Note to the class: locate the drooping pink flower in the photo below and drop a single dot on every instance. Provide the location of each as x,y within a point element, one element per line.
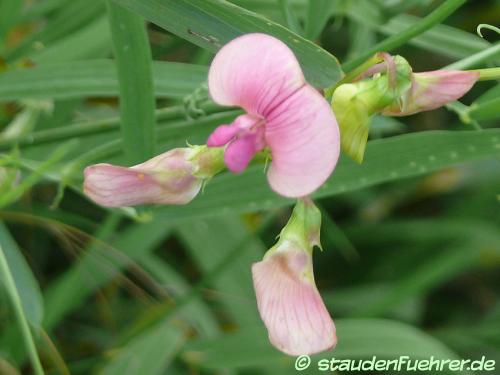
<point>174,177</point>
<point>431,90</point>
<point>290,304</point>
<point>283,113</point>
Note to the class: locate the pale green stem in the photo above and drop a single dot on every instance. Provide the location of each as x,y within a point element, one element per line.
<point>10,287</point>
<point>492,52</point>
<point>489,74</point>
<point>387,45</point>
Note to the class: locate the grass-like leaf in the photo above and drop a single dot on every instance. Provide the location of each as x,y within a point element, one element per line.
<point>133,63</point>
<point>212,23</point>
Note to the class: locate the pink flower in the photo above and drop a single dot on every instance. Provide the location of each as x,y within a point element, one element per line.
<point>431,90</point>
<point>288,300</point>
<point>283,113</point>
<point>290,304</point>
<point>174,177</point>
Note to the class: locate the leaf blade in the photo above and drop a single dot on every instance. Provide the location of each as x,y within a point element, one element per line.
<point>133,62</point>
<point>210,24</point>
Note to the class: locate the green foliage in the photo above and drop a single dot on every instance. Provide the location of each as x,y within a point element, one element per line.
<point>80,79</point>
<point>210,24</point>
<point>26,284</point>
<point>410,237</point>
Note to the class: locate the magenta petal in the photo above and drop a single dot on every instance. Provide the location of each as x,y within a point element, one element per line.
<point>239,153</point>
<point>290,305</point>
<point>222,135</point>
<point>256,72</point>
<point>304,139</point>
<point>165,179</point>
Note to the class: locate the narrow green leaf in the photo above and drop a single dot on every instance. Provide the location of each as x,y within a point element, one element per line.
<point>212,23</point>
<point>168,118</point>
<point>68,19</point>
<point>362,37</point>
<point>290,17</point>
<point>91,41</point>
<point>97,267</point>
<point>40,9</point>
<point>358,338</point>
<point>410,32</point>
<point>14,294</point>
<point>491,94</point>
<point>364,338</point>
<point>197,312</point>
<point>149,353</point>
<point>234,287</point>
<point>10,10</point>
<point>317,16</point>
<point>58,154</point>
<point>80,79</point>
<point>137,103</point>
<point>491,53</point>
<point>442,39</point>
<point>485,111</point>
<point>385,160</point>
<point>26,284</point>
<point>467,242</point>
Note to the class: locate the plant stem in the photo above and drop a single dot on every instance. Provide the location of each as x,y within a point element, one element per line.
<point>434,18</point>
<point>472,60</point>
<point>349,77</point>
<point>10,287</point>
<point>100,126</point>
<point>488,74</point>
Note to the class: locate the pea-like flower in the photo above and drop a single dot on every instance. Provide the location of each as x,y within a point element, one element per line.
<point>284,114</point>
<point>174,177</point>
<point>288,300</point>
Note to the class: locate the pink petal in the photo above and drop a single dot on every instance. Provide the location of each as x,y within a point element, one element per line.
<point>290,305</point>
<point>431,90</point>
<point>239,153</point>
<point>165,179</point>
<point>304,139</point>
<point>222,135</point>
<point>256,72</point>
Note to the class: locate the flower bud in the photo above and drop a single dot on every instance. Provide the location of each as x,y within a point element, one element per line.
<point>174,177</point>
<point>431,90</point>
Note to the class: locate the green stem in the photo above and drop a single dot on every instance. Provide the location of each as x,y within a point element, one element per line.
<point>349,77</point>
<point>100,126</point>
<point>488,74</point>
<point>434,18</point>
<point>492,52</point>
<point>10,287</point>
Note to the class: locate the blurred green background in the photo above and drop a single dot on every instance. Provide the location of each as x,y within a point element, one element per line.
<point>412,242</point>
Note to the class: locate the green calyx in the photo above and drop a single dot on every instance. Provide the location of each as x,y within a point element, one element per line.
<point>354,104</point>
<point>208,161</point>
<point>302,231</point>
